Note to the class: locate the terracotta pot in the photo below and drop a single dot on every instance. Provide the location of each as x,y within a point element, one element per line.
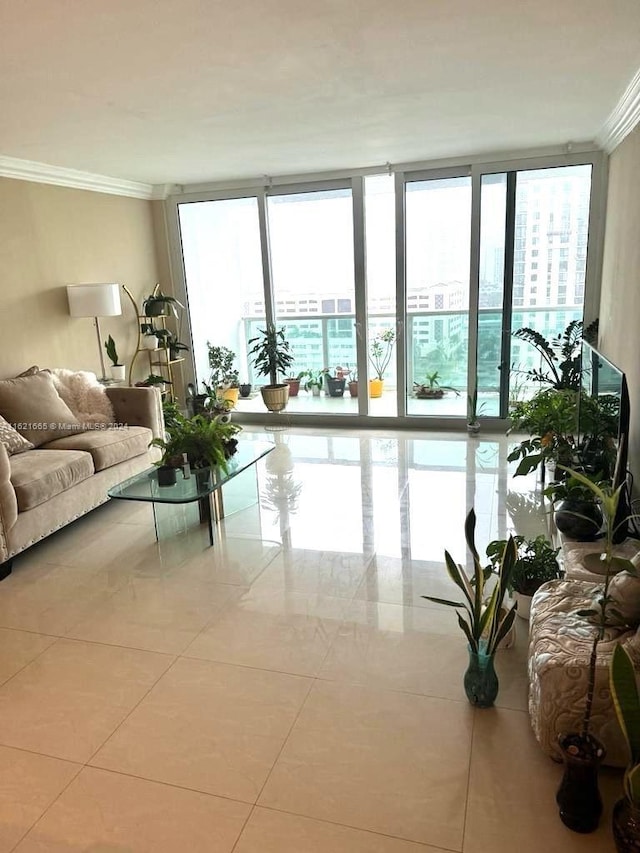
<point>353,389</point>
<point>294,386</point>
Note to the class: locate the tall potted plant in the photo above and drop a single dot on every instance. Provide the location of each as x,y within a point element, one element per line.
<point>485,621</point>
<point>271,356</point>
<point>380,350</point>
<point>578,795</point>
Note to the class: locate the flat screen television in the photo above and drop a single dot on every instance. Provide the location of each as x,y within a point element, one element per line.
<point>603,426</point>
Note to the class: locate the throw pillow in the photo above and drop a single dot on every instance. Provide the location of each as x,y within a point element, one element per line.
<point>85,396</point>
<point>32,405</point>
<point>12,439</point>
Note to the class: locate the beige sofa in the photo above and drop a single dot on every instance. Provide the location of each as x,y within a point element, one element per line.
<point>45,488</point>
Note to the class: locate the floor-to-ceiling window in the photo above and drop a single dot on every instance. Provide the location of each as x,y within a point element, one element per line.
<point>438,228</point>
<point>223,268</point>
<point>473,253</point>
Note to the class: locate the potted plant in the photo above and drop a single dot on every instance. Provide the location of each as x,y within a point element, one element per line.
<point>485,620</point>
<point>578,796</point>
<point>536,563</point>
<point>334,383</point>
<point>551,419</point>
<point>352,383</point>
<point>576,511</point>
<point>294,383</point>
<point>314,382</point>
<point>170,342</point>
<point>160,305</point>
<point>223,376</point>
<point>117,368</point>
<point>431,389</point>
<point>380,351</point>
<point>561,356</point>
<point>245,389</point>
<point>271,356</point>
<point>207,443</point>
<point>154,380</point>
<point>149,338</point>
<point>626,700</point>
<point>473,411</point>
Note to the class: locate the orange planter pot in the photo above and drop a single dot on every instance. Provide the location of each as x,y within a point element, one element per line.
<point>231,394</point>
<point>376,387</point>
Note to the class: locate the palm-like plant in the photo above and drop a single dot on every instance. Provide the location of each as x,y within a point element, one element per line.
<point>271,353</point>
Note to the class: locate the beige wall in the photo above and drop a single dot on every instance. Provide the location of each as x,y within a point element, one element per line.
<point>620,297</point>
<point>53,236</point>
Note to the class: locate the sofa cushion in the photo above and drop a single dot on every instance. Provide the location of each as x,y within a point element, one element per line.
<point>107,446</point>
<point>32,405</point>
<point>39,475</point>
<point>12,439</point>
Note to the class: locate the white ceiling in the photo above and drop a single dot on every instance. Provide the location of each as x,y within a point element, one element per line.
<point>183,91</point>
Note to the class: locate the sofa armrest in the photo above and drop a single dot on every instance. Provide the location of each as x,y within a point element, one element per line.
<point>8,502</point>
<point>138,407</point>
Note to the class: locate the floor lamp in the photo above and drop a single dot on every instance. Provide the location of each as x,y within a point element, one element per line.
<point>95,300</point>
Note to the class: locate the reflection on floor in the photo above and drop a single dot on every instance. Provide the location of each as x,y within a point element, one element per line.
<point>288,689</point>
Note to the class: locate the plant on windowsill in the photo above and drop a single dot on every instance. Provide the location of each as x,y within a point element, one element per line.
<point>486,621</point>
<point>271,356</point>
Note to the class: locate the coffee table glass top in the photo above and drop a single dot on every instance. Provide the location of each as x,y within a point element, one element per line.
<point>144,486</point>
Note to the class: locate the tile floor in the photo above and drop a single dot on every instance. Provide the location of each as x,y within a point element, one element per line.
<point>287,691</point>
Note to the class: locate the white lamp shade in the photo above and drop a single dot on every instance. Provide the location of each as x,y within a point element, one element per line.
<point>94,300</point>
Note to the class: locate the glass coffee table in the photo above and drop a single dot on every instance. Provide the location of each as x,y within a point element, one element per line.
<point>203,486</point>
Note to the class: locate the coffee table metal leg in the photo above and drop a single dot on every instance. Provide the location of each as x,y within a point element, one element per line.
<point>204,505</point>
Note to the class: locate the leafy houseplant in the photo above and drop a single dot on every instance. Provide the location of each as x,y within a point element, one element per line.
<point>160,305</point>
<point>271,356</point>
<point>626,700</point>
<point>208,443</point>
<point>314,381</point>
<point>153,380</point>
<point>223,374</point>
<point>578,796</point>
<point>486,621</point>
<point>431,389</point>
<point>562,372</point>
<point>536,563</point>
<point>551,419</point>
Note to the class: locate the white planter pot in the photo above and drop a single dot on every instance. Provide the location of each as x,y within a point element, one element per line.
<point>149,342</point>
<point>524,604</point>
<point>118,372</point>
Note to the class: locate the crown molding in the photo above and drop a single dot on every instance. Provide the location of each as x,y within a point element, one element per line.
<point>623,118</point>
<point>43,173</point>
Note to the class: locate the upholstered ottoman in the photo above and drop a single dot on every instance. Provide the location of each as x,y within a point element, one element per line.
<point>560,644</point>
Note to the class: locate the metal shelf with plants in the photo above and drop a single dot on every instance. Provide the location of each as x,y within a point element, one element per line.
<point>162,346</point>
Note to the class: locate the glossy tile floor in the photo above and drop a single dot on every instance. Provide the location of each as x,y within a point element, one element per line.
<point>286,691</point>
